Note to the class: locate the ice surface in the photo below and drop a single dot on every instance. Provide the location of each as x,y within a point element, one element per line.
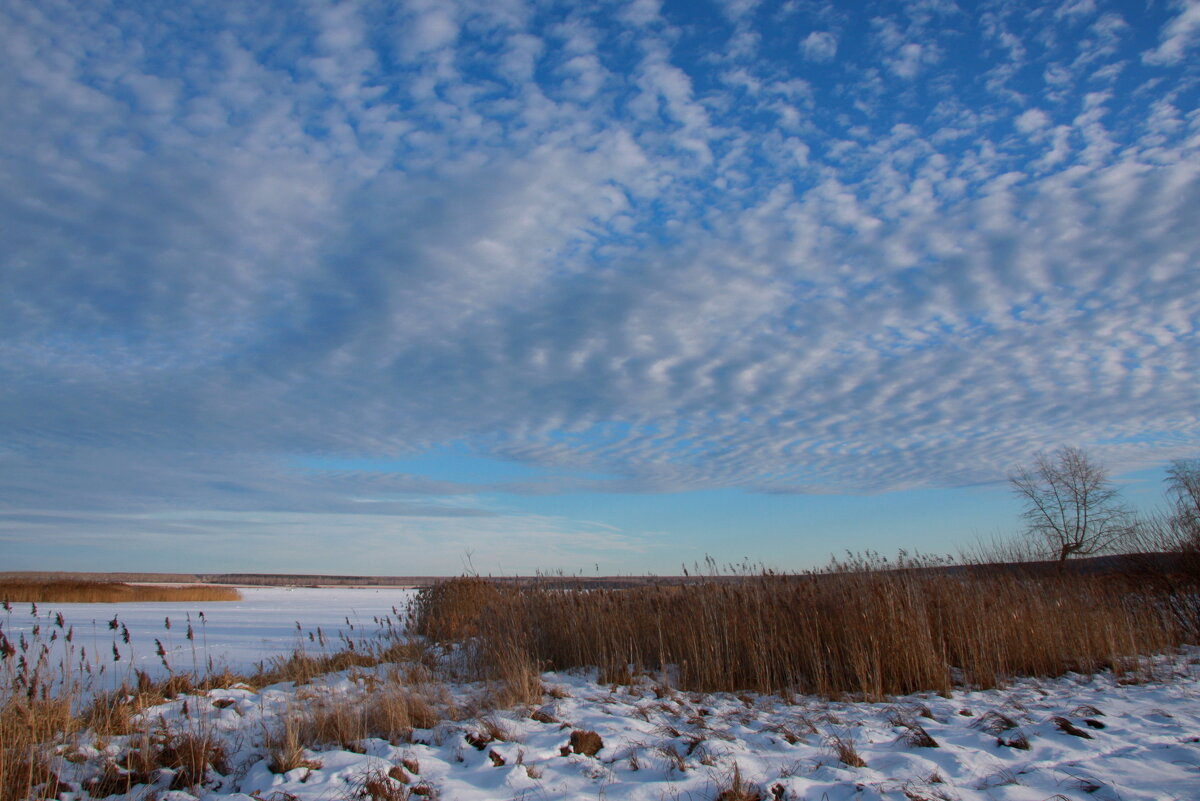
<point>234,634</point>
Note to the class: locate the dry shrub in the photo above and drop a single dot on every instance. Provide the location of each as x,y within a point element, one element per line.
<point>673,760</point>
<point>424,790</point>
<point>191,756</point>
<point>495,730</point>
<point>117,780</point>
<point>993,722</point>
<point>381,785</point>
<point>28,775</point>
<point>27,727</point>
<point>390,715</point>
<point>476,740</point>
<point>871,633</point>
<point>842,745</point>
<point>36,720</point>
<point>927,791</point>
<point>916,736</point>
<point>301,667</point>
<point>1016,740</point>
<point>517,679</point>
<point>346,720</point>
<point>113,713</point>
<point>176,685</point>
<point>340,722</point>
<point>456,610</point>
<point>587,743</point>
<point>1067,727</point>
<point>543,715</point>
<point>736,788</point>
<point>105,592</point>
<point>285,746</point>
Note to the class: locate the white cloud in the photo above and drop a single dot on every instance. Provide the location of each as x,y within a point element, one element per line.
<point>1031,120</point>
<point>593,249</point>
<point>1177,37</point>
<point>819,46</point>
<point>431,27</point>
<point>641,12</point>
<point>903,54</point>
<point>1076,8</point>
<point>737,9</point>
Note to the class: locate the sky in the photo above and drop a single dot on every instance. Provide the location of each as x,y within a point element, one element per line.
<point>504,286</point>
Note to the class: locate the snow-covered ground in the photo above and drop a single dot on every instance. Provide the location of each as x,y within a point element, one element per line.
<point>1084,737</point>
<point>1139,740</point>
<point>267,622</point>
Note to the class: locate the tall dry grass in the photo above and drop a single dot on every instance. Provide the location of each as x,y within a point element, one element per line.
<point>106,592</point>
<point>56,692</point>
<point>867,632</point>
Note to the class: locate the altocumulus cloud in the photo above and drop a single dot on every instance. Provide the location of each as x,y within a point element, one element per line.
<point>781,247</point>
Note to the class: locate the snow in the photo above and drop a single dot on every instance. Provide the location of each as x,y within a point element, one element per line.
<point>1143,742</point>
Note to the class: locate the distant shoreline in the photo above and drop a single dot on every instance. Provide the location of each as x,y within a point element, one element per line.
<point>1093,564</point>
<point>227,579</point>
<point>308,579</point>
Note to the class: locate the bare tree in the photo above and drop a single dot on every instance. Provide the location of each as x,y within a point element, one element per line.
<point>1183,488</point>
<point>1070,505</point>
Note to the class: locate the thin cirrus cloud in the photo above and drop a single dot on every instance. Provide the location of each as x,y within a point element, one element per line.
<point>637,246</point>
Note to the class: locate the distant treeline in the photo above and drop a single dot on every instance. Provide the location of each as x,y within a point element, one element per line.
<point>1123,563</point>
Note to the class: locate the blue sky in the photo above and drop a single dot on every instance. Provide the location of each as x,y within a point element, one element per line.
<point>386,287</point>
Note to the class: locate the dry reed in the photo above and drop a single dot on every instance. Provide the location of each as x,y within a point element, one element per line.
<point>871,633</point>
<point>54,690</point>
<point>107,592</point>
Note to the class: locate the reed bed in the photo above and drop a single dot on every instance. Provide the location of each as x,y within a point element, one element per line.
<point>868,633</point>
<point>853,630</point>
<point>107,592</point>
<point>59,688</point>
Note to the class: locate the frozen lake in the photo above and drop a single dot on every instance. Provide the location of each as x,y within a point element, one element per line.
<point>267,622</point>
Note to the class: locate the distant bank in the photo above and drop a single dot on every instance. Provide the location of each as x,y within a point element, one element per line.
<point>1126,564</point>
<point>234,579</point>
<point>314,580</point>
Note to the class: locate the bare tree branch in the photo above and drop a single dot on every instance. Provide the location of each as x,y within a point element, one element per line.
<point>1183,489</point>
<point>1070,505</point>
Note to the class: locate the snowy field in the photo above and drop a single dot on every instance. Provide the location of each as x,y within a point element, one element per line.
<point>1077,737</point>
<point>233,634</point>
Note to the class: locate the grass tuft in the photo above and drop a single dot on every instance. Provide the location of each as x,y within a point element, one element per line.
<point>736,788</point>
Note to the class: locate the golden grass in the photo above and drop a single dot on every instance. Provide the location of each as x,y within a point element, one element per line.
<point>27,725</point>
<point>41,716</point>
<point>870,633</point>
<point>856,630</point>
<point>107,592</point>
<point>55,693</point>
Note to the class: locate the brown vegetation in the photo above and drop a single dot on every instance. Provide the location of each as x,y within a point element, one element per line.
<point>585,742</point>
<point>867,628</point>
<point>736,788</point>
<point>45,706</point>
<point>107,592</point>
<point>871,633</point>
